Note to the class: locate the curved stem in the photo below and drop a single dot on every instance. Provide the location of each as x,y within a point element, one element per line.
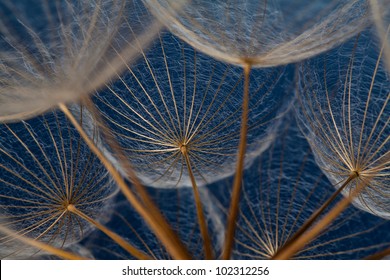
<point>233,211</point>
<point>199,209</point>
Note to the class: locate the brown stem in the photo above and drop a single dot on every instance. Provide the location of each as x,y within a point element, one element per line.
<point>316,214</point>
<point>236,193</point>
<point>288,251</point>
<point>380,255</point>
<point>156,222</point>
<point>119,240</point>
<point>199,209</point>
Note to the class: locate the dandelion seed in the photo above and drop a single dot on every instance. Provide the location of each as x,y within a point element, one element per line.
<point>175,115</point>
<point>252,34</point>
<point>178,104</point>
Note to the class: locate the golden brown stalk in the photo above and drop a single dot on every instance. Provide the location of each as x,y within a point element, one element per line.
<point>380,255</point>
<point>233,211</point>
<point>201,219</point>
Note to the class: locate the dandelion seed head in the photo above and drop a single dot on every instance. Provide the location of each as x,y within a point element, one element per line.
<point>344,113</point>
<point>46,170</point>
<point>262,33</point>
<point>55,52</point>
<point>178,108</point>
